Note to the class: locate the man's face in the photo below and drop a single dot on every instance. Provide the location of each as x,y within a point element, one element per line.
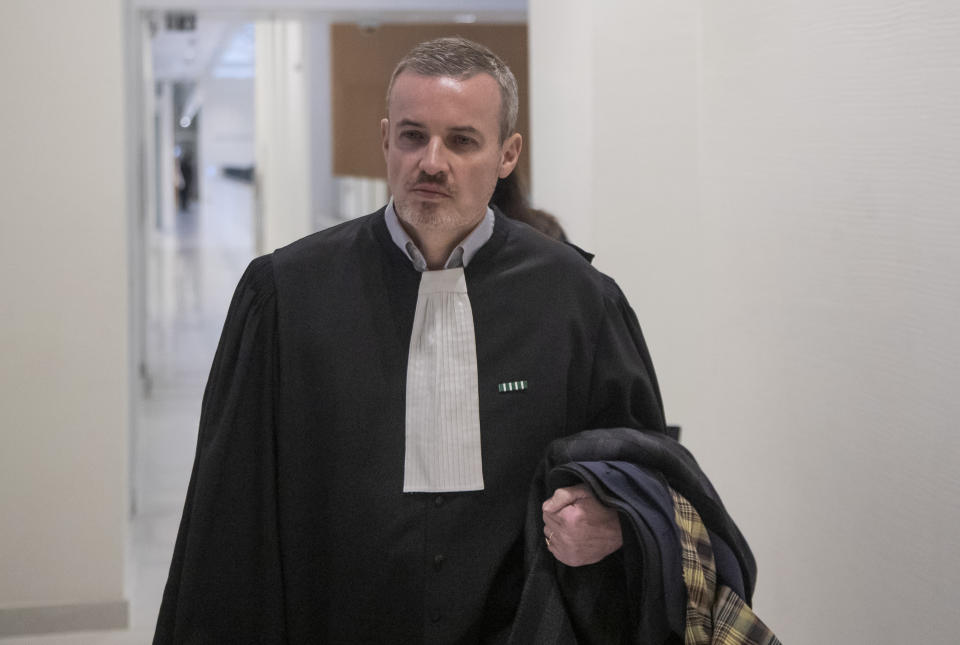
<point>442,146</point>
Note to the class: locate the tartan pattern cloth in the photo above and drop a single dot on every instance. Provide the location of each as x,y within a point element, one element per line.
<point>699,571</point>
<point>714,616</point>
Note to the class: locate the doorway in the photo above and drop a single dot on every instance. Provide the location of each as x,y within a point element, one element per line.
<point>237,158</point>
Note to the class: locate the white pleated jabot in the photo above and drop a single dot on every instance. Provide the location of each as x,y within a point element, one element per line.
<point>443,408</point>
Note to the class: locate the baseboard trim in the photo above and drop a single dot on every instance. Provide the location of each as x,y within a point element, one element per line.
<point>22,621</point>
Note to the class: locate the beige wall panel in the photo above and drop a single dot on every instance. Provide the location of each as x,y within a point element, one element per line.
<point>64,327</point>
<point>774,185</point>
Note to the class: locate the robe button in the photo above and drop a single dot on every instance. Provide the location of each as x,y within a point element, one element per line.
<point>438,500</point>
<point>436,616</point>
<point>438,561</point>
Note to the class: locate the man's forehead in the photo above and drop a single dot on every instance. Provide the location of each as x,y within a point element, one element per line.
<point>416,97</point>
<point>408,76</point>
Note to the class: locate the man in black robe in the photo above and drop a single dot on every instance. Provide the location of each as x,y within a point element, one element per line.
<point>384,390</point>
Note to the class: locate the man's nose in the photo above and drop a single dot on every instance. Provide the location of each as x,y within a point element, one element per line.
<point>434,159</point>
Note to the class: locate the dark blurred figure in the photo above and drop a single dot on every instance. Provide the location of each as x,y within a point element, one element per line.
<point>185,181</point>
<point>243,174</point>
<point>510,197</point>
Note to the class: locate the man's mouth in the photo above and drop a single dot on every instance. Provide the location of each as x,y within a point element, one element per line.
<point>429,190</point>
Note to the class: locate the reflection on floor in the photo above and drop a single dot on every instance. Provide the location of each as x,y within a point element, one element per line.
<point>192,272</point>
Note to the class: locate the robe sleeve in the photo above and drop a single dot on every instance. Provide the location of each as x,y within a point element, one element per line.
<point>623,386</point>
<point>225,583</point>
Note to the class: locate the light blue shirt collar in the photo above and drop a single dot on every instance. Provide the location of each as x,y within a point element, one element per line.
<point>460,256</point>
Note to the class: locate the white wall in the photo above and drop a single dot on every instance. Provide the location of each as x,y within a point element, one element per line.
<point>775,186</point>
<point>166,188</point>
<point>226,122</point>
<point>226,139</point>
<point>561,97</point>
<point>323,188</point>
<point>283,140</point>
<point>63,332</point>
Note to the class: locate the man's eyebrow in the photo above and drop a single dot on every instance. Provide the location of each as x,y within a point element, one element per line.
<point>469,129</point>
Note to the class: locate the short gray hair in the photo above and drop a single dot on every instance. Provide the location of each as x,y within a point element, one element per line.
<point>460,58</point>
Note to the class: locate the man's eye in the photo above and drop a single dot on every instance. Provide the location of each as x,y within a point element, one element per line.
<point>462,141</point>
<point>411,135</point>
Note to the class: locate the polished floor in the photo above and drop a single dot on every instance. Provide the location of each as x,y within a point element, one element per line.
<point>191,272</point>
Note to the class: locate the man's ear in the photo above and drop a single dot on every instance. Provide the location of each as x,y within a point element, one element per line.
<point>510,154</point>
<point>385,135</point>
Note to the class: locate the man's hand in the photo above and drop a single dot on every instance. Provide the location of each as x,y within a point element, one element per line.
<point>579,529</point>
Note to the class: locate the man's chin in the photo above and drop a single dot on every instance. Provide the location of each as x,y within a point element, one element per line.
<point>426,216</point>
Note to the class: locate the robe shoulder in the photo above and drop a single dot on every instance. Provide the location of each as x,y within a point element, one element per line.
<point>544,253</point>
<point>337,247</point>
<point>256,286</point>
<point>568,266</point>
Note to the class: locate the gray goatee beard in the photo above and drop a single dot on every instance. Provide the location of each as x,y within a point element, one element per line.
<point>426,215</point>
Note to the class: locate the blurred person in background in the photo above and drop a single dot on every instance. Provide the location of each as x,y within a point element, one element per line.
<point>509,196</point>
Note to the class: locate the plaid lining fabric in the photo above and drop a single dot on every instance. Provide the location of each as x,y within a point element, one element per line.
<point>699,571</point>
<point>714,616</point>
<point>735,623</point>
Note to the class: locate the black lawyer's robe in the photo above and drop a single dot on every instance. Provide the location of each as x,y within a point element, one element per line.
<point>295,527</point>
